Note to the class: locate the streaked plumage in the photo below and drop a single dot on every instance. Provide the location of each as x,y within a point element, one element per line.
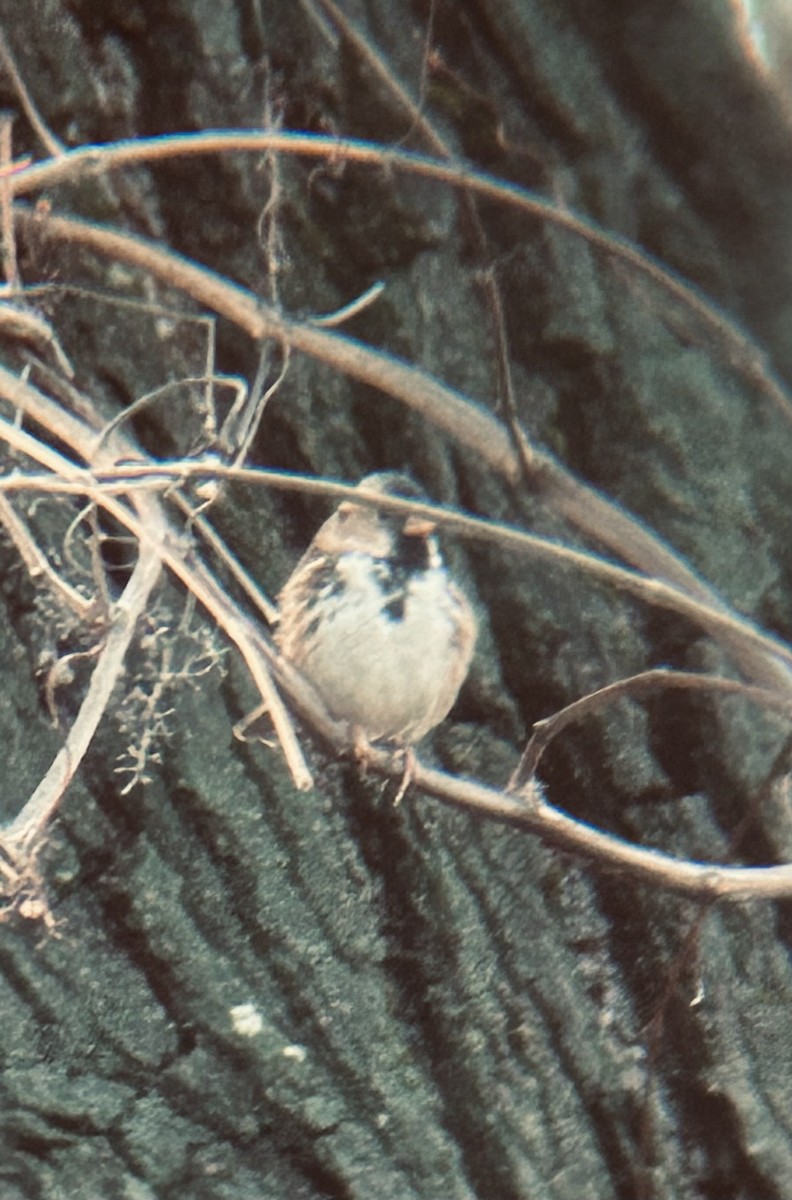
<point>373,621</point>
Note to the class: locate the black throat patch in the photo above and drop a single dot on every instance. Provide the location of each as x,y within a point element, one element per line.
<point>394,575</point>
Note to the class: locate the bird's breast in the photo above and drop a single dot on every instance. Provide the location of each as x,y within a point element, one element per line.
<point>381,644</point>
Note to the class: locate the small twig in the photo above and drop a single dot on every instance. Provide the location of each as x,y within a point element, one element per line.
<point>69,538</point>
<point>687,952</point>
<point>242,423</point>
<point>23,324</point>
<point>154,534</point>
<point>63,395</point>
<point>380,67</point>
<point>426,53</point>
<point>239,730</point>
<point>45,136</point>
<point>37,563</point>
<point>459,417</point>
<point>26,827</point>
<point>769,656</point>
<point>526,455</point>
<point>334,319</point>
<point>269,227</point>
<point>636,685</point>
<point>10,269</point>
<point>231,564</point>
<point>264,396</point>
<point>175,385</point>
<point>321,22</point>
<point>60,675</point>
<point>747,356</point>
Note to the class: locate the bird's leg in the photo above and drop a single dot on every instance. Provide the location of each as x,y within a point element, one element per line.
<point>361,748</point>
<point>407,775</point>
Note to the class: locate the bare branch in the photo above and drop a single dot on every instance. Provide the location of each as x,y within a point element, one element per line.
<point>746,355</point>
<point>634,686</point>
<point>36,562</point>
<point>457,416</point>
<point>45,136</point>
<point>771,658</point>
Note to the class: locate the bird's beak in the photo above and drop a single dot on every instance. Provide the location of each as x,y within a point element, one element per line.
<point>419,526</point>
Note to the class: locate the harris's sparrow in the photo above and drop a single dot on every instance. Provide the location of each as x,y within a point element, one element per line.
<point>372,620</point>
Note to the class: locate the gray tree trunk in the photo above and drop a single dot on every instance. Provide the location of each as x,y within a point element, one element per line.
<point>255,993</point>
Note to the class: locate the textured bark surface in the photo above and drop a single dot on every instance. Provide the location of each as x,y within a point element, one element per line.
<point>257,993</point>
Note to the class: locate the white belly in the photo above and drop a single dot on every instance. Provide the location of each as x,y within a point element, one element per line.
<point>394,676</point>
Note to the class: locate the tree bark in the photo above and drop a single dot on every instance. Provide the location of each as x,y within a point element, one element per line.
<point>254,992</point>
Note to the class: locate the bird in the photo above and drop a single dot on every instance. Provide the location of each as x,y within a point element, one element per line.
<point>371,618</point>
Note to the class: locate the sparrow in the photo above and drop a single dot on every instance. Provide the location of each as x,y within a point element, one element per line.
<point>372,620</point>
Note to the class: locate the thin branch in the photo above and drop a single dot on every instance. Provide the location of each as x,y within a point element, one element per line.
<point>156,534</point>
<point>660,678</point>
<point>541,818</point>
<point>10,268</point>
<point>37,564</point>
<point>527,456</point>
<point>229,561</point>
<point>651,866</point>
<point>457,416</point>
<point>47,139</point>
<point>734,632</point>
<point>23,324</point>
<point>380,66</point>
<point>537,816</point>
<point>331,320</point>
<point>440,145</point>
<point>174,385</point>
<point>748,357</point>
<point>260,396</point>
<point>25,830</point>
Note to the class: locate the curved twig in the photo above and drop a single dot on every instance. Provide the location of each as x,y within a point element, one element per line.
<point>634,686</point>
<point>114,155</point>
<point>736,633</point>
<point>446,408</point>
